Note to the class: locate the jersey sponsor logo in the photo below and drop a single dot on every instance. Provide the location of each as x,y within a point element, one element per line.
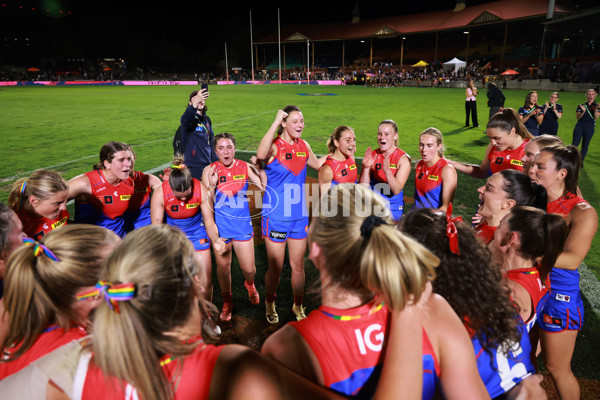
<point>277,235</point>
<point>108,200</point>
<point>516,162</point>
<point>433,177</point>
<point>393,166</point>
<point>300,154</point>
<point>563,297</point>
<point>372,338</point>
<point>125,197</point>
<point>239,177</point>
<point>352,167</point>
<point>193,205</point>
<point>142,190</point>
<point>59,223</point>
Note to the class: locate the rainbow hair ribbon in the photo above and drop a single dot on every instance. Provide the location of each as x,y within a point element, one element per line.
<point>39,249</point>
<point>111,293</point>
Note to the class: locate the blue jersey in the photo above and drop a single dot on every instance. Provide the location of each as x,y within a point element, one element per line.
<point>285,196</point>
<point>429,184</point>
<point>501,371</point>
<point>232,212</point>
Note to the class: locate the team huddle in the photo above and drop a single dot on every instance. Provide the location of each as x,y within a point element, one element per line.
<point>113,302</point>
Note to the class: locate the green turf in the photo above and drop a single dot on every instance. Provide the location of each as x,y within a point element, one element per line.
<point>63,128</point>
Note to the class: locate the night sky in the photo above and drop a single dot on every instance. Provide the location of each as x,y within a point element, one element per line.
<point>175,34</point>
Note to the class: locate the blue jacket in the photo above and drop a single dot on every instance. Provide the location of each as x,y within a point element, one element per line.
<point>197,135</point>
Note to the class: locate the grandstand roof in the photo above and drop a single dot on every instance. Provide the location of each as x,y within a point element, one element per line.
<point>495,12</point>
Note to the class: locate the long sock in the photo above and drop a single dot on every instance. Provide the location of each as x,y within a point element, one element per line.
<point>298,300</point>
<point>271,298</point>
<point>228,298</point>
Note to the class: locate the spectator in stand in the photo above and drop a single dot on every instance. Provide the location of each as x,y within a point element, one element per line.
<point>586,114</point>
<point>552,112</point>
<point>495,98</point>
<point>471,104</point>
<point>197,134</point>
<point>531,114</point>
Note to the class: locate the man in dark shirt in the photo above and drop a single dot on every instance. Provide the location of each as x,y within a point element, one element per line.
<point>197,134</point>
<point>495,98</point>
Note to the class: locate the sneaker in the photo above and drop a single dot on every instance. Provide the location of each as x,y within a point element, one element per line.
<point>226,312</point>
<point>272,316</point>
<point>299,312</point>
<point>252,294</point>
<point>211,328</point>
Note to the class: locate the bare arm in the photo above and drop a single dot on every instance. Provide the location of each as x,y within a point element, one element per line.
<point>157,206</point>
<point>583,221</point>
<point>325,179</point>
<point>397,180</point>
<point>266,149</point>
<point>79,185</point>
<point>313,161</point>
<point>450,179</point>
<point>476,171</point>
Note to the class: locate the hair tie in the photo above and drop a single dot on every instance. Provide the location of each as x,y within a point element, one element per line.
<point>39,248</point>
<point>21,193</point>
<point>111,293</point>
<point>180,166</point>
<point>451,230</point>
<point>370,223</point>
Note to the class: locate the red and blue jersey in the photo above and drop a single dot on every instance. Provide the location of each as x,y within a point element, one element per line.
<point>107,204</point>
<point>500,371</point>
<point>507,159</point>
<point>37,228</point>
<point>138,212</point>
<point>485,232</point>
<point>343,171</point>
<point>379,181</point>
<point>190,375</point>
<point>285,196</point>
<point>49,340</point>
<point>232,212</point>
<point>350,347</point>
<point>429,184</point>
<point>530,279</point>
<point>186,214</point>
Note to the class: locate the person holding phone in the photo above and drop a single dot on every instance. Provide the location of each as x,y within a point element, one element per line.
<point>197,134</point>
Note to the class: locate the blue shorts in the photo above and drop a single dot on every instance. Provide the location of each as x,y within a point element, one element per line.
<point>200,243</point>
<point>279,231</point>
<point>561,312</point>
<point>243,238</point>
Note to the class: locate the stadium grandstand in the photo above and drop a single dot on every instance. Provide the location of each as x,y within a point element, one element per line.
<point>537,38</point>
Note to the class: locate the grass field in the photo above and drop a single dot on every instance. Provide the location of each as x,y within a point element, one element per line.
<point>63,128</point>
